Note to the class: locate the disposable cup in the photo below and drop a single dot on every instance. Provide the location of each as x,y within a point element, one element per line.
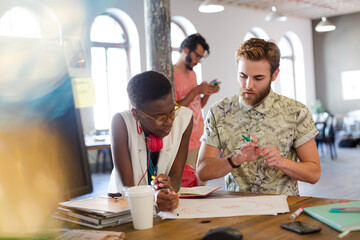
<point>141,200</point>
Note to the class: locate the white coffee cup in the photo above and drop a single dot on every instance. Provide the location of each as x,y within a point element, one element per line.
<point>141,200</point>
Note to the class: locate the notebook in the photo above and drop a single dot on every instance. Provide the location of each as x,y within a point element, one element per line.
<point>339,221</point>
<point>200,191</point>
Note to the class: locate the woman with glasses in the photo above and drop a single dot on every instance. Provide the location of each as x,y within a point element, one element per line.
<point>150,142</point>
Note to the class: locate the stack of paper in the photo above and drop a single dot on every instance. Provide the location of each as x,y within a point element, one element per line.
<point>96,212</point>
<point>229,207</point>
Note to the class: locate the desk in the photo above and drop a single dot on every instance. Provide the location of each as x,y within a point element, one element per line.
<point>252,227</point>
<point>101,143</point>
<point>97,142</point>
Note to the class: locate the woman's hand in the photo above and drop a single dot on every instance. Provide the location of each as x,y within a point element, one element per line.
<point>161,181</point>
<point>167,199</point>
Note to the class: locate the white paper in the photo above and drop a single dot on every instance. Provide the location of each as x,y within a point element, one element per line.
<point>79,234</point>
<point>229,207</point>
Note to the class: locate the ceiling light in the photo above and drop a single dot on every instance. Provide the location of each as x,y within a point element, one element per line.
<point>274,16</point>
<point>209,6</point>
<point>325,26</point>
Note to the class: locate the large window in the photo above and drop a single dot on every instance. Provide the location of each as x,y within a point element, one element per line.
<point>19,22</point>
<point>292,70</point>
<point>287,71</point>
<point>180,29</point>
<point>110,68</point>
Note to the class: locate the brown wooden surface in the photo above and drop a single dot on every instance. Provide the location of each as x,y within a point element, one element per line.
<point>252,227</point>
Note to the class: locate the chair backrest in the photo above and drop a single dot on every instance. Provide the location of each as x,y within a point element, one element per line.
<point>329,129</point>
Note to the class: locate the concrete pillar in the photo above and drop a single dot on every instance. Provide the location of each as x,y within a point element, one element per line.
<point>157,35</point>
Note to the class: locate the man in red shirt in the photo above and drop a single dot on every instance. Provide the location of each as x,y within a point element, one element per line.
<point>187,91</point>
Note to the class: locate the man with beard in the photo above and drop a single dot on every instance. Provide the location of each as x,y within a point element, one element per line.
<point>188,92</point>
<point>282,150</point>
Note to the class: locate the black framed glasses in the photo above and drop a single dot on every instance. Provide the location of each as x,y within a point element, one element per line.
<point>161,120</point>
<point>198,56</point>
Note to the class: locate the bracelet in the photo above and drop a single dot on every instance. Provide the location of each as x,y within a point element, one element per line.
<point>232,164</point>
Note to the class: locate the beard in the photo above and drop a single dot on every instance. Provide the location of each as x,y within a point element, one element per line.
<point>188,61</point>
<point>257,98</point>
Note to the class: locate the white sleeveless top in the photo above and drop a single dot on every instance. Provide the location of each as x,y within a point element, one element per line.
<point>137,149</point>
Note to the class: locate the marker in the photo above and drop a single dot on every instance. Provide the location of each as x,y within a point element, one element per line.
<point>249,140</point>
<point>297,213</point>
<point>343,210</point>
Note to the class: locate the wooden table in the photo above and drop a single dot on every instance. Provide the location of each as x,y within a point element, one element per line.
<point>101,143</point>
<point>252,227</point>
<point>97,142</point>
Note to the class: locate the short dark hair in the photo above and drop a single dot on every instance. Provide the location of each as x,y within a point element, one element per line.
<point>256,49</point>
<point>147,86</point>
<point>192,41</point>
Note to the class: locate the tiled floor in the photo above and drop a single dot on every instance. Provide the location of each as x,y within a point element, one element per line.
<point>339,178</point>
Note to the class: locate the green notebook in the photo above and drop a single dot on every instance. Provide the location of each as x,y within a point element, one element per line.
<point>339,221</point>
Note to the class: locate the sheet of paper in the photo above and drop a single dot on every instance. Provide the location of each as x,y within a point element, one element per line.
<point>80,234</point>
<point>229,207</point>
<point>197,191</point>
<point>84,92</point>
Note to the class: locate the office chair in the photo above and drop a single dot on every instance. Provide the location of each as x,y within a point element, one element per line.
<point>326,135</point>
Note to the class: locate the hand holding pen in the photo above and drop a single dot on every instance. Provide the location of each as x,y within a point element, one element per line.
<point>161,181</point>
<point>248,152</point>
<point>165,197</point>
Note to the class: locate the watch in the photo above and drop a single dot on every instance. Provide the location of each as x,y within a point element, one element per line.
<point>231,162</point>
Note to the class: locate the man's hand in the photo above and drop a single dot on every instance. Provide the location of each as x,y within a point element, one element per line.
<point>206,88</point>
<point>167,199</point>
<point>248,152</point>
<point>272,157</point>
<point>216,86</point>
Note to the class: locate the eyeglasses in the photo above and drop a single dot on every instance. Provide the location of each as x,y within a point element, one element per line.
<point>198,56</point>
<point>161,120</point>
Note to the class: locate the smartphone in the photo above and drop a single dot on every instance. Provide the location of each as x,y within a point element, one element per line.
<point>300,227</point>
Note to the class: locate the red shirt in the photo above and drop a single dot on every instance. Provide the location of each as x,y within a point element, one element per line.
<point>182,86</point>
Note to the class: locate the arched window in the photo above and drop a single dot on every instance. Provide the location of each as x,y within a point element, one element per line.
<point>19,22</point>
<point>291,78</point>
<point>287,77</point>
<point>178,34</point>
<point>109,68</point>
<point>180,29</point>
<point>256,32</point>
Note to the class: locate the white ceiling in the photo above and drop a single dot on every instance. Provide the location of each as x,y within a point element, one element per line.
<point>309,9</point>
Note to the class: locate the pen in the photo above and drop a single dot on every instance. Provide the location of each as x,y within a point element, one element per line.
<point>175,213</point>
<point>343,210</point>
<point>297,213</point>
<point>249,140</point>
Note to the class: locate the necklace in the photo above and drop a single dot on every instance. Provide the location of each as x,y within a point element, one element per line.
<point>152,170</point>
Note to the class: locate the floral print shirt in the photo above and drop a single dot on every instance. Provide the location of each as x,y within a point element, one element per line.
<point>278,121</point>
